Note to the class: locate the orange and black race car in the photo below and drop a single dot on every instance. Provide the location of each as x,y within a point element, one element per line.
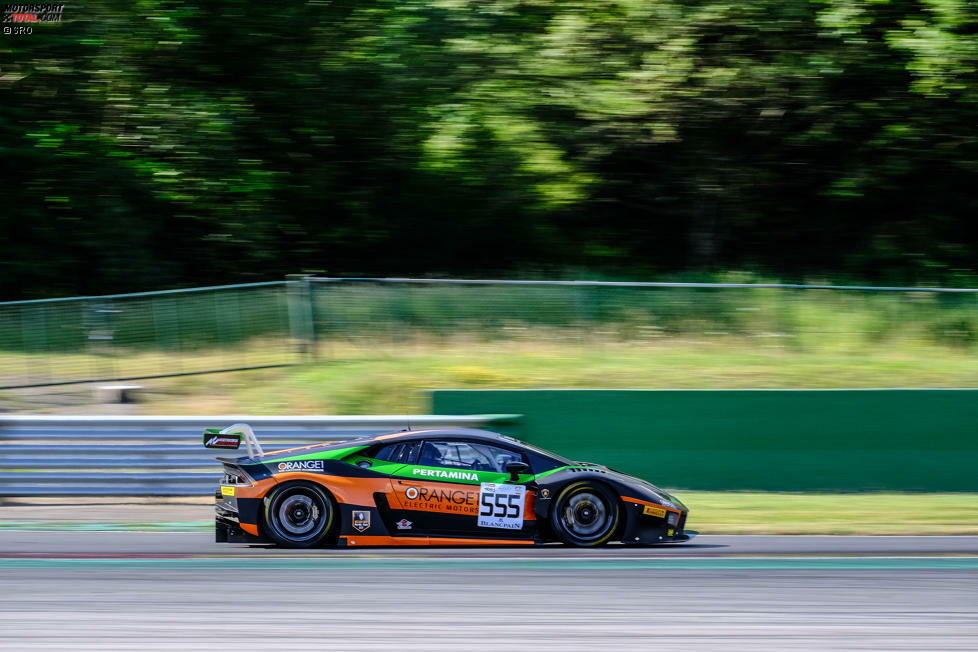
<point>432,487</point>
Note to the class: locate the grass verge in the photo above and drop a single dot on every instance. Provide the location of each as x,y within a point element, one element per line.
<point>352,379</point>
<point>871,513</point>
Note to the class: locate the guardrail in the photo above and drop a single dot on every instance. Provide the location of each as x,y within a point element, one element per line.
<point>163,455</point>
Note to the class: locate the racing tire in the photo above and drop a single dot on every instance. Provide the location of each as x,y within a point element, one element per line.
<point>299,514</point>
<point>585,514</point>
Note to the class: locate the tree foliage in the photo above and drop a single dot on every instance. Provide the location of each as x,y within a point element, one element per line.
<point>166,142</point>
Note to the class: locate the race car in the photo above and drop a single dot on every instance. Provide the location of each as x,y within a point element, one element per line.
<point>444,487</point>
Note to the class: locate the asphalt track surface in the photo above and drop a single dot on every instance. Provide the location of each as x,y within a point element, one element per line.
<point>169,591</point>
<point>26,541</point>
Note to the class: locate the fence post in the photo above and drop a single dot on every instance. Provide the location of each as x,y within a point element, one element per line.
<point>301,324</point>
<point>29,336</point>
<point>581,296</point>
<point>101,336</point>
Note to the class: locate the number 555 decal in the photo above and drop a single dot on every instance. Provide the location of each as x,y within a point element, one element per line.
<point>501,505</point>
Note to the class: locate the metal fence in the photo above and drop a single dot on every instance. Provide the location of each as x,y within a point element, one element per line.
<point>393,310</point>
<point>153,334</point>
<point>163,456</point>
<point>143,335</point>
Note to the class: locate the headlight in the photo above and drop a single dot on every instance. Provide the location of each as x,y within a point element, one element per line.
<point>672,499</point>
<point>667,503</point>
<point>672,518</point>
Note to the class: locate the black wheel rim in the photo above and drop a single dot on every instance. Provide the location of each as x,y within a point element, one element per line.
<point>299,515</point>
<point>585,515</point>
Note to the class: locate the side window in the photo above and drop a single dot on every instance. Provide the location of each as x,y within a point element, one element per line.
<point>410,453</point>
<point>500,456</point>
<point>401,453</point>
<point>465,455</point>
<point>454,455</point>
<point>389,453</point>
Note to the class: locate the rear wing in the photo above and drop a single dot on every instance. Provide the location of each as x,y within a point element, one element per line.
<point>231,437</point>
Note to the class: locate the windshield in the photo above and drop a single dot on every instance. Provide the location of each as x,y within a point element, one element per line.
<point>540,451</point>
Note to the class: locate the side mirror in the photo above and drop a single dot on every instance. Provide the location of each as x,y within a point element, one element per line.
<point>515,468</point>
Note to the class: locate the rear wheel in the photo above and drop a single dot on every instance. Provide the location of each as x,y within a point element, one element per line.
<point>299,514</point>
<point>585,514</point>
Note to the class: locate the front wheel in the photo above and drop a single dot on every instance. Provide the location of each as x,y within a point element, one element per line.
<point>585,514</point>
<point>298,514</point>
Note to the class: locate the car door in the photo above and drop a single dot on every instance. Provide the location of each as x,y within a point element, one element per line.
<point>456,487</point>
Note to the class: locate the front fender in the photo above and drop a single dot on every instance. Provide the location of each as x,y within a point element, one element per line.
<point>645,518</point>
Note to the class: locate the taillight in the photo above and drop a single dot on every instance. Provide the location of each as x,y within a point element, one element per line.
<point>234,476</point>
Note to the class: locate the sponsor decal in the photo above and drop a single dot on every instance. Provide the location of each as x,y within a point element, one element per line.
<point>404,524</point>
<point>227,491</point>
<point>501,505</point>
<point>649,510</point>
<point>301,465</point>
<point>223,441</point>
<point>361,520</point>
<point>670,532</point>
<point>441,499</point>
<point>448,475</point>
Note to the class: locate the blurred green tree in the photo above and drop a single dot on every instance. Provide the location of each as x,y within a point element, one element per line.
<point>169,142</point>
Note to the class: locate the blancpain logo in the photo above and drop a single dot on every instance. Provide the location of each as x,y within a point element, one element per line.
<point>301,465</point>
<point>451,475</point>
